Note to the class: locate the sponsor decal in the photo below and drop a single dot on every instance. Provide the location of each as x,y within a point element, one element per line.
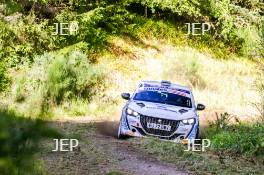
<point>154,87</point>
<point>151,85</point>
<point>161,107</point>
<point>162,89</point>
<point>159,126</point>
<point>133,123</point>
<point>178,91</point>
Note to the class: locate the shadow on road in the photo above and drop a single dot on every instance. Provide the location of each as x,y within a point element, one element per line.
<point>100,152</point>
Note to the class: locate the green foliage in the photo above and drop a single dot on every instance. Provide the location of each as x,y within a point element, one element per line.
<point>114,173</point>
<point>23,40</point>
<point>6,38</point>
<point>252,42</point>
<point>12,7</point>
<point>239,138</point>
<point>79,107</point>
<point>19,96</point>
<point>19,139</point>
<point>250,4</point>
<point>239,26</point>
<point>4,79</point>
<point>260,88</point>
<point>54,78</point>
<point>181,8</point>
<point>192,72</point>
<point>72,76</point>
<point>197,162</point>
<point>236,22</point>
<point>142,27</point>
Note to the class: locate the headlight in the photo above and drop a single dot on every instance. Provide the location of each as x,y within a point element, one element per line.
<point>132,112</point>
<point>129,111</point>
<point>188,121</point>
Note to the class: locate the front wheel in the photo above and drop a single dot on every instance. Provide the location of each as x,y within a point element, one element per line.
<point>119,135</point>
<point>197,134</point>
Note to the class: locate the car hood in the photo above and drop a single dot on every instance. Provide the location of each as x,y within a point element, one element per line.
<point>162,110</point>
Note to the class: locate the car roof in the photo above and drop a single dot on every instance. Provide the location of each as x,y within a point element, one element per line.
<point>166,82</point>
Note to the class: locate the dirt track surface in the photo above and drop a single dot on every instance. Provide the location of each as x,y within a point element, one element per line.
<point>100,152</point>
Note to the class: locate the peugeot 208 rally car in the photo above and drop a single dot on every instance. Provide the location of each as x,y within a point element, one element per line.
<point>160,109</point>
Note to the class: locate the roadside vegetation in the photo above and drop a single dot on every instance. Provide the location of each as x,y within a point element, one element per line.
<point>212,161</point>
<point>20,137</point>
<point>118,43</point>
<point>54,78</point>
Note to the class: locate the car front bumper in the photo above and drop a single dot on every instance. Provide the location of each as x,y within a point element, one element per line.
<point>134,126</point>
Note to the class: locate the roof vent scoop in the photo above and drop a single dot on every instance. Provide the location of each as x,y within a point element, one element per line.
<point>165,83</point>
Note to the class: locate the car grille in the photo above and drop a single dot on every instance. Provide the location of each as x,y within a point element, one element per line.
<point>147,119</point>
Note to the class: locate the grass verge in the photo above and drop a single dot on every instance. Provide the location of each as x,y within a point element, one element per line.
<point>209,162</point>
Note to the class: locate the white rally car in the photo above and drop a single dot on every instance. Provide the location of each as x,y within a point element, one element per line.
<point>160,109</point>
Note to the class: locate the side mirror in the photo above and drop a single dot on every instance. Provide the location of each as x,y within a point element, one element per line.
<point>125,96</point>
<point>200,107</point>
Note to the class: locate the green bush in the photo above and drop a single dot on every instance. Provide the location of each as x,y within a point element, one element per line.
<point>20,139</point>
<point>12,7</point>
<point>21,41</point>
<point>239,138</point>
<point>236,23</point>
<point>4,79</point>
<point>72,76</point>
<point>240,27</point>
<point>192,72</point>
<point>260,87</point>
<point>181,8</point>
<point>57,77</point>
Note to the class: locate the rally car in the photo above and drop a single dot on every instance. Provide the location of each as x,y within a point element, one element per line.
<point>160,109</point>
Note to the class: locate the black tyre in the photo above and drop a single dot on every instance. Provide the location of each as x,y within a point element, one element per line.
<point>119,135</point>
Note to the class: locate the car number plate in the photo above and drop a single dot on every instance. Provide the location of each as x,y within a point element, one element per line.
<point>159,126</point>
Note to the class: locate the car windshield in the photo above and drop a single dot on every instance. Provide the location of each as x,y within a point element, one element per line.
<point>163,97</point>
